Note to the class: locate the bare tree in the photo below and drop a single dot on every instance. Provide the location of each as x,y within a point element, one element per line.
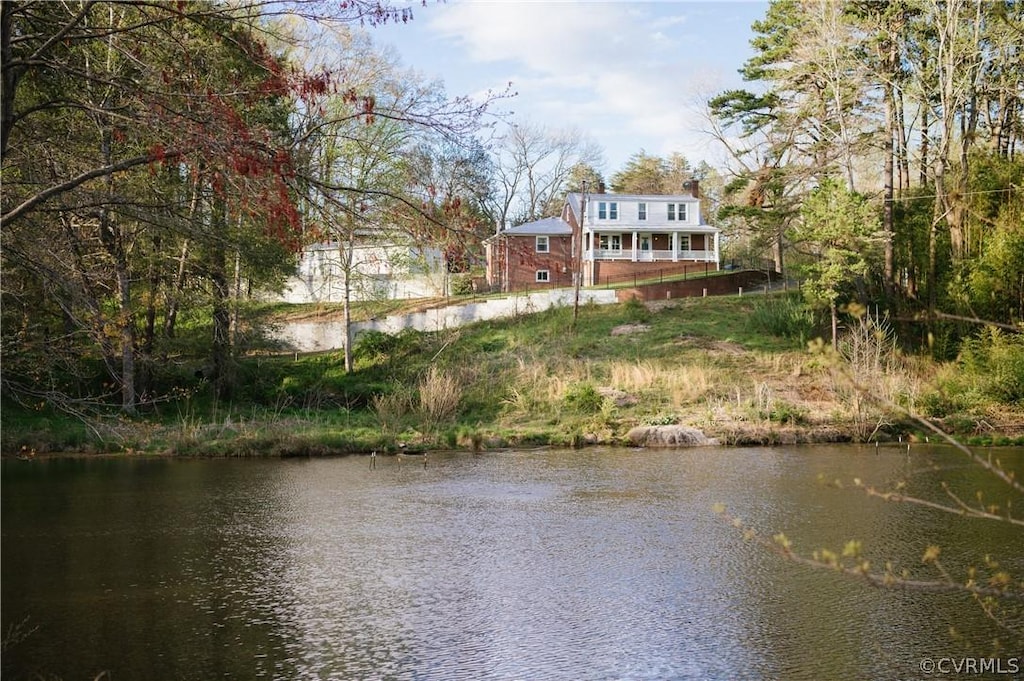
<point>532,165</point>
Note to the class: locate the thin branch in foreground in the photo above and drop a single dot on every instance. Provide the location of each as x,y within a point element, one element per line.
<point>1000,586</point>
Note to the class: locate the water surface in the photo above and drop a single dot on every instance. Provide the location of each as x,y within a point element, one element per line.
<point>595,564</point>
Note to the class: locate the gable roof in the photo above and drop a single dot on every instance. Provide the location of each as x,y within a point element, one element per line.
<point>544,227</point>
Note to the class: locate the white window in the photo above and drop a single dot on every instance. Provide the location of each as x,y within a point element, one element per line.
<point>641,211</point>
<point>616,242</point>
<point>677,210</point>
<point>607,210</point>
<point>645,243</point>
<point>684,242</point>
<point>543,276</point>
<point>604,242</point>
<point>542,244</point>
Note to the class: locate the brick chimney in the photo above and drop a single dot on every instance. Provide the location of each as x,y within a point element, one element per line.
<point>693,187</point>
<point>600,187</point>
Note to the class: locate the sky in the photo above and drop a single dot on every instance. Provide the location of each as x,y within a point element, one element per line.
<point>630,75</point>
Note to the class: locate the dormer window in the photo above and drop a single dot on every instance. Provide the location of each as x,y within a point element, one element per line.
<point>607,210</point>
<point>677,211</point>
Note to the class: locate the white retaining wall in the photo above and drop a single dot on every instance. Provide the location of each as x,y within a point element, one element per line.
<point>330,335</point>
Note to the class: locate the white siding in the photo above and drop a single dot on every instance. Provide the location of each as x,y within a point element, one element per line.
<point>657,211</point>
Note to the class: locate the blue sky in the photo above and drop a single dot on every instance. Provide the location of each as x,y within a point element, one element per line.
<point>628,74</point>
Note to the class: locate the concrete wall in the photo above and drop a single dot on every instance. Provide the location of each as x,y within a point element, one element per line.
<point>316,336</point>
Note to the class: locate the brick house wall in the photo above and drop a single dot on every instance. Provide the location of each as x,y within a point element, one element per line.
<point>617,271</point>
<point>724,284</point>
<point>524,261</point>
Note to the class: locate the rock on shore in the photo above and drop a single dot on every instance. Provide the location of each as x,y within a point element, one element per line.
<point>669,436</point>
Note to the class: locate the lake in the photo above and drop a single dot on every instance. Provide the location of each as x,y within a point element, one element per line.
<point>602,563</point>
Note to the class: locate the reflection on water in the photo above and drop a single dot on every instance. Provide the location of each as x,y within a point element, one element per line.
<point>595,564</point>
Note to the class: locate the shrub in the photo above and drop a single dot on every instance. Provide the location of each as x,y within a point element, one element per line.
<point>997,359</point>
<point>461,284</point>
<point>391,408</point>
<point>583,398</point>
<point>440,395</point>
<point>376,345</point>
<point>636,311</point>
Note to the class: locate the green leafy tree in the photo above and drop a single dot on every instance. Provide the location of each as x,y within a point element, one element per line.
<point>841,228</point>
<point>648,174</point>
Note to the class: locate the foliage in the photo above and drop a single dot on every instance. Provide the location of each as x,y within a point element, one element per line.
<point>179,178</point>
<point>583,398</point>
<point>377,346</point>
<point>840,226</point>
<point>460,284</point>
<point>784,316</point>
<point>990,370</point>
<point>848,90</point>
<point>636,311</point>
<point>647,174</point>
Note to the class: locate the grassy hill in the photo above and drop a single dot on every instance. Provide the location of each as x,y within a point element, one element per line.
<point>738,369</point>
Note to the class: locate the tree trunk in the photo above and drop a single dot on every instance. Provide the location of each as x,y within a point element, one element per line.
<point>888,171</point>
<point>221,347</point>
<point>835,325</point>
<point>345,253</point>
<point>901,140</point>
<point>236,297</point>
<point>11,75</point>
<point>112,238</point>
<point>925,125</point>
<point>177,288</point>
<point>777,251</point>
<point>148,344</point>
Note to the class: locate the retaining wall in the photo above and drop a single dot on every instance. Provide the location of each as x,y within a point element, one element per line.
<point>725,284</point>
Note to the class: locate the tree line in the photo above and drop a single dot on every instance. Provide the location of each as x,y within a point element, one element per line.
<point>877,151</point>
<point>161,161</point>
<point>164,161</point>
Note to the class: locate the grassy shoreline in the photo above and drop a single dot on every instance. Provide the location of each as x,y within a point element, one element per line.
<point>725,366</point>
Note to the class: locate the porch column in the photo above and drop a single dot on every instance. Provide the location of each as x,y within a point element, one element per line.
<point>675,246</point>
<point>717,259</point>
<point>635,246</point>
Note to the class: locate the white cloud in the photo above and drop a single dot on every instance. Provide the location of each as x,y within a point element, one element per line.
<point>615,70</point>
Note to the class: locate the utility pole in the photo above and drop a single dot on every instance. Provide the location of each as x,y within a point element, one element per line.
<point>578,255</point>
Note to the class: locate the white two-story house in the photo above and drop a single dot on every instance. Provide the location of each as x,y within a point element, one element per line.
<point>623,237</point>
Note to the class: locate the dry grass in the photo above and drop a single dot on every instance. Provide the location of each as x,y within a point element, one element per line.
<point>684,384</point>
<point>440,394</point>
<point>390,409</point>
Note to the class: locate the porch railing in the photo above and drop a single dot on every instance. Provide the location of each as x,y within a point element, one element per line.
<point>649,256</point>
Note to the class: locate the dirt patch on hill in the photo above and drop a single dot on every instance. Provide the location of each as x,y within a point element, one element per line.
<point>712,344</point>
<point>627,329</point>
